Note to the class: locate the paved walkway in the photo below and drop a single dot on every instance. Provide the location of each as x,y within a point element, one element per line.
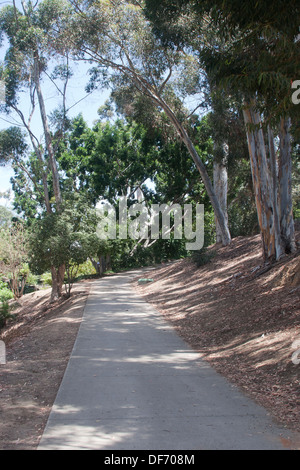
<point>133,384</point>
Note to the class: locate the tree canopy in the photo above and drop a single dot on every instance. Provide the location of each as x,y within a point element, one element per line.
<point>200,111</point>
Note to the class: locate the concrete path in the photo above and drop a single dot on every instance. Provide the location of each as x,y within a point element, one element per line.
<point>133,384</point>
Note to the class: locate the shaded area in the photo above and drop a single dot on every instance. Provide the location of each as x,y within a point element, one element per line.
<point>39,344</point>
<point>241,319</point>
<point>132,383</point>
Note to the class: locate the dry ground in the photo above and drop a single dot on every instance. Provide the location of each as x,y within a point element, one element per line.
<point>39,344</point>
<point>242,320</point>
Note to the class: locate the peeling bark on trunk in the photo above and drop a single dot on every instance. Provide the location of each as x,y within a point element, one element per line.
<point>52,161</point>
<point>224,230</point>
<point>274,185</point>
<point>262,185</point>
<point>285,188</point>
<point>223,225</point>
<point>221,188</point>
<point>156,98</point>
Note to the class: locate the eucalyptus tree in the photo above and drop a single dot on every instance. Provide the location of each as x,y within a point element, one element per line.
<point>33,42</point>
<point>117,38</point>
<point>262,56</point>
<point>259,60</point>
<point>64,239</point>
<point>14,254</point>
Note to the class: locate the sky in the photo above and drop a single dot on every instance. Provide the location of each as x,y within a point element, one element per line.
<point>76,91</point>
<point>88,107</point>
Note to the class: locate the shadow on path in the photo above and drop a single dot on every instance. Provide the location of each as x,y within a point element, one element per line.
<point>133,384</point>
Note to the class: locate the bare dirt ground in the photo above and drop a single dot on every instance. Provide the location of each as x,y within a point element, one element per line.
<point>242,319</point>
<point>39,343</point>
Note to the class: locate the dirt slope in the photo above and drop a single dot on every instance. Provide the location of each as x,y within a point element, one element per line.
<point>241,318</point>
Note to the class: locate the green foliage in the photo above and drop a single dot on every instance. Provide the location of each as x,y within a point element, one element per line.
<point>32,32</point>
<point>28,280</point>
<point>247,48</point>
<point>46,279</point>
<point>4,313</point>
<point>202,257</point>
<point>13,255</point>
<point>127,254</point>
<point>209,228</point>
<point>242,213</point>
<point>5,292</point>
<point>12,144</point>
<point>5,217</point>
<point>122,158</point>
<point>64,238</point>
<point>5,309</point>
<point>28,192</point>
<point>282,15</point>
<point>86,269</point>
<point>251,51</point>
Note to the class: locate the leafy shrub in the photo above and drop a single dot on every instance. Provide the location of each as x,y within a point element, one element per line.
<point>86,269</point>
<point>29,277</point>
<point>5,295</point>
<point>5,314</point>
<point>202,257</point>
<point>13,255</point>
<point>46,279</point>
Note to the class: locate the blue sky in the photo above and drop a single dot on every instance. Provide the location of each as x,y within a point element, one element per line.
<point>88,107</point>
<point>76,91</point>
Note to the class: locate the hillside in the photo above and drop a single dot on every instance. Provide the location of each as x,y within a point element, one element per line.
<point>242,317</point>
<point>39,343</point>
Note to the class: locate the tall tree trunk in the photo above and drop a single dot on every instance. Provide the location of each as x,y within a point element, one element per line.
<point>275,192</point>
<point>45,123</point>
<point>285,188</point>
<point>220,176</point>
<point>48,138</point>
<point>45,183</point>
<point>108,262</point>
<point>57,275</point>
<point>262,184</point>
<point>155,96</point>
<point>220,217</point>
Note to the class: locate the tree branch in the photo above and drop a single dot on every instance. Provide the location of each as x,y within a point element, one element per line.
<point>161,88</point>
